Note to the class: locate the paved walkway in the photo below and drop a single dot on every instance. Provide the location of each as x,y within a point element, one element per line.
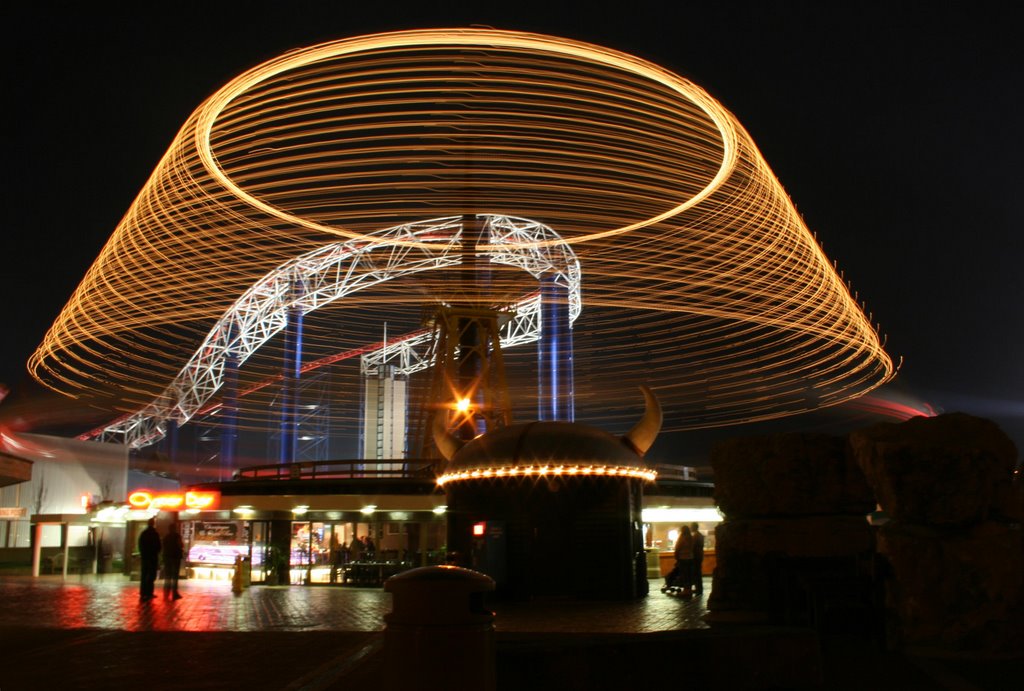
<point>112,603</point>
<point>91,632</point>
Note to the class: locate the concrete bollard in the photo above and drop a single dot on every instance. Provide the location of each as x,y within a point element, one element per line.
<point>438,634</point>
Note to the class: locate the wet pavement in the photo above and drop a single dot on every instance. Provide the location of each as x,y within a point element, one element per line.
<point>112,603</point>
<point>90,632</point>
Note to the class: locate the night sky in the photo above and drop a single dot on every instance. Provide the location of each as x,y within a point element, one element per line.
<point>895,128</point>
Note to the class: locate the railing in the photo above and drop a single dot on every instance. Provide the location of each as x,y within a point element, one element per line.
<point>408,469</point>
<point>400,469</point>
<point>676,472</point>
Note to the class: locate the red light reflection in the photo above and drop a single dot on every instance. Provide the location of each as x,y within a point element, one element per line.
<point>892,409</point>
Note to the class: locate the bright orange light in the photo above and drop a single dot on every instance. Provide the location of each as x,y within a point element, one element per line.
<point>463,405</point>
<point>690,250</point>
<point>543,471</point>
<point>478,529</point>
<point>202,500</point>
<point>140,499</point>
<point>172,501</point>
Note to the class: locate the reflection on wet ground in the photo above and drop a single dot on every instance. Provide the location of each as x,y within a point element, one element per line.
<point>93,634</point>
<point>112,602</point>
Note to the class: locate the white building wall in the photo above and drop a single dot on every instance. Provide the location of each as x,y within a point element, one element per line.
<point>62,471</point>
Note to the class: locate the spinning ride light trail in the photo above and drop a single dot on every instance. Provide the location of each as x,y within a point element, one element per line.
<point>701,278</point>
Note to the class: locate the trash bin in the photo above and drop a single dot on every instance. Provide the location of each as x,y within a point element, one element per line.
<point>438,620</point>
<point>653,564</point>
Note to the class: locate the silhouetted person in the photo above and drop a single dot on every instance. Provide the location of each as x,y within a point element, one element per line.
<point>356,549</point>
<point>174,551</point>
<point>149,556</point>
<point>682,575</point>
<point>335,556</point>
<point>371,549</point>
<point>698,559</point>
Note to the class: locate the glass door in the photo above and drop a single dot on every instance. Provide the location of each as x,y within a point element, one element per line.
<point>259,548</point>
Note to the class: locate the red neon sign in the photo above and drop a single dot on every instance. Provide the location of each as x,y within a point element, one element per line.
<point>174,501</point>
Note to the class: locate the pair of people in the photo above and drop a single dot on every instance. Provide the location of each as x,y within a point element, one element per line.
<point>689,553</point>
<point>150,548</point>
<point>362,548</point>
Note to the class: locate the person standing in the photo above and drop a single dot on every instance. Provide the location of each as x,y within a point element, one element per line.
<point>356,548</point>
<point>684,560</point>
<point>680,576</point>
<point>149,556</point>
<point>174,551</point>
<point>335,555</point>
<point>698,559</point>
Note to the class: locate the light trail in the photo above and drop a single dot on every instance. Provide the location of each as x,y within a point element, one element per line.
<point>701,278</point>
<point>897,410</point>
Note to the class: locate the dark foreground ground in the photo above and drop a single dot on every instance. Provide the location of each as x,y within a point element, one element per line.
<point>92,633</point>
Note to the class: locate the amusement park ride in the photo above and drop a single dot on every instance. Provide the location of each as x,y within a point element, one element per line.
<point>466,342</point>
<point>465,193</point>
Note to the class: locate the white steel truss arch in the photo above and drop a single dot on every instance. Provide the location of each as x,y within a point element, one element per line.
<point>415,352</point>
<point>333,271</point>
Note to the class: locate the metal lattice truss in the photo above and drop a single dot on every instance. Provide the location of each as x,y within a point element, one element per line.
<point>417,352</point>
<point>538,250</point>
<point>334,271</point>
<point>516,242</point>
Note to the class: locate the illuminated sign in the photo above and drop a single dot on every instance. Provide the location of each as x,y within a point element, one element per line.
<point>173,501</point>
<point>688,514</point>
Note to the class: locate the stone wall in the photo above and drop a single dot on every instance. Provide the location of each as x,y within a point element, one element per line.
<point>953,540</point>
<point>788,475</point>
<point>945,556</point>
<point>795,546</point>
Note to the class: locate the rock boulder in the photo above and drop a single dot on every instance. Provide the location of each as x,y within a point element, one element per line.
<point>947,470</point>
<point>956,588</point>
<point>788,475</point>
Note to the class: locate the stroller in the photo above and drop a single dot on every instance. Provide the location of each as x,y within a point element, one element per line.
<point>679,580</point>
